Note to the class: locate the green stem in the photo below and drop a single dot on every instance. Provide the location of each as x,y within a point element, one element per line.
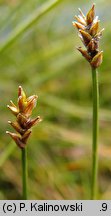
<point>24,173</point>
<point>95,133</point>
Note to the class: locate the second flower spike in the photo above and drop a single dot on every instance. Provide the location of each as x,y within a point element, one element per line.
<point>23,122</point>
<point>88,27</point>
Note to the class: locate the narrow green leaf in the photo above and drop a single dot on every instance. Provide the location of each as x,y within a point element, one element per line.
<point>7,152</point>
<point>73,109</point>
<point>19,30</point>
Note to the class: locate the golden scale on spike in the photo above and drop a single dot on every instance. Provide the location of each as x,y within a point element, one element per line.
<point>23,122</point>
<point>88,27</point>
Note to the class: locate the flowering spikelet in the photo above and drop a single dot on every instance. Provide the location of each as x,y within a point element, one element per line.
<point>23,122</point>
<point>88,27</point>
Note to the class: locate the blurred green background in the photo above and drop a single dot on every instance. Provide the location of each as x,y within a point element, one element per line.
<point>37,51</point>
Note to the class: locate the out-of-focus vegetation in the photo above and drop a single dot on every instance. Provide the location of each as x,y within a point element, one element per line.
<point>43,59</point>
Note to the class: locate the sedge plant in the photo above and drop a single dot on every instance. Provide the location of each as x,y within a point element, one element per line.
<point>88,27</point>
<point>22,126</point>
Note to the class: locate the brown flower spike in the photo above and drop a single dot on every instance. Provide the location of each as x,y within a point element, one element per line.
<point>23,122</point>
<point>88,27</point>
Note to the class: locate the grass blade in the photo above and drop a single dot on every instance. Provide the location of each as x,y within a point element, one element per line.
<point>28,23</point>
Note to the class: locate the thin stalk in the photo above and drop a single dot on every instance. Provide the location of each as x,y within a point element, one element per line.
<point>24,173</point>
<point>95,133</point>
